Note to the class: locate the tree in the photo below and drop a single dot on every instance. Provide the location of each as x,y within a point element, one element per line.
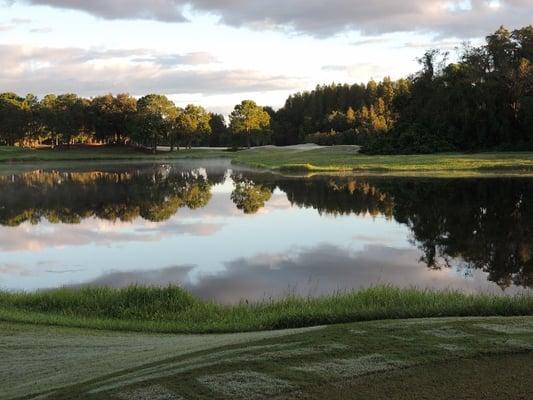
<point>63,117</point>
<point>48,115</point>
<point>35,130</point>
<point>192,123</point>
<point>71,116</point>
<point>248,118</point>
<point>156,116</point>
<point>351,117</point>
<point>113,117</point>
<point>250,197</point>
<point>14,118</point>
<point>219,131</point>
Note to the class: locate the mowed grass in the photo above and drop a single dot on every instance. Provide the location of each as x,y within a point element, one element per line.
<point>173,309</point>
<point>97,153</point>
<point>300,158</point>
<point>346,158</point>
<point>441,358</point>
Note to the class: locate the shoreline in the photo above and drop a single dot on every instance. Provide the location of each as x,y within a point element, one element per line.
<point>314,161</point>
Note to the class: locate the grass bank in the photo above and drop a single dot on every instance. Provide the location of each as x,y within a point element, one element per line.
<point>173,309</point>
<point>301,158</point>
<point>442,358</point>
<point>97,153</point>
<point>344,158</point>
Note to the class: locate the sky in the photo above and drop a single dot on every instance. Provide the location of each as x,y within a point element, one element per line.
<point>219,52</point>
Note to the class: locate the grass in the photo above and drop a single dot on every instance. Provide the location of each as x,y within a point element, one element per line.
<point>174,310</point>
<point>396,359</point>
<point>343,158</point>
<point>98,153</point>
<point>329,159</point>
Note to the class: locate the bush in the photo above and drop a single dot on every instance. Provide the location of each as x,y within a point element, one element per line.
<point>414,140</point>
<point>332,138</point>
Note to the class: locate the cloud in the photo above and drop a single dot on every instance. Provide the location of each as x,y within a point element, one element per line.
<point>320,18</point>
<point>160,277</point>
<point>21,21</point>
<point>169,60</point>
<point>13,23</point>
<point>14,269</point>
<point>45,29</point>
<point>161,10</point>
<point>97,232</point>
<point>314,271</point>
<point>370,40</point>
<point>359,70</point>
<point>90,72</point>
<point>440,44</point>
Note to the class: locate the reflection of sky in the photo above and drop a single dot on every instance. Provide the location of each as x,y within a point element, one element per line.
<point>47,255</point>
<point>218,251</point>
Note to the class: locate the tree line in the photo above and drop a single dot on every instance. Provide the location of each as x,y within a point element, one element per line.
<point>483,100</point>
<point>152,120</point>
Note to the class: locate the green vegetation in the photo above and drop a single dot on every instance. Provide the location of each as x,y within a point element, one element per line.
<point>345,158</point>
<point>248,118</point>
<point>174,310</point>
<point>301,158</point>
<point>440,358</point>
<point>483,101</point>
<point>99,153</point>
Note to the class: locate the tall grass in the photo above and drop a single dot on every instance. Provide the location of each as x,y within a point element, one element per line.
<point>173,309</point>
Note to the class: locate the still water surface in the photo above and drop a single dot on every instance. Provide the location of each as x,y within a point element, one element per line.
<point>229,234</point>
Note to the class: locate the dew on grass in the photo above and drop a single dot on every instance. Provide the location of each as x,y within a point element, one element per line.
<point>245,384</point>
<point>519,344</point>
<point>446,332</point>
<point>402,338</point>
<point>451,347</point>
<point>349,367</point>
<point>281,353</point>
<point>155,392</point>
<point>507,328</point>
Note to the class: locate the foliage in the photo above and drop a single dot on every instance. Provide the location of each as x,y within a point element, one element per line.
<point>154,193</point>
<point>155,117</point>
<point>249,119</point>
<point>14,116</point>
<point>113,117</point>
<point>250,197</point>
<point>172,309</point>
<point>481,101</point>
<point>192,123</point>
<point>358,109</point>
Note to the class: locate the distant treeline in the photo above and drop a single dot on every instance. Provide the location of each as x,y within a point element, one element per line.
<point>149,121</point>
<point>484,100</point>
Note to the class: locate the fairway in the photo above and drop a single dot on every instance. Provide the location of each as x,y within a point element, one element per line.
<point>424,358</point>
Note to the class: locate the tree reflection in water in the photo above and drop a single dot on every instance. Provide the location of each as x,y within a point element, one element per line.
<point>484,224</point>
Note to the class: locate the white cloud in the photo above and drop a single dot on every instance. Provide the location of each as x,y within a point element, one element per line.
<point>322,18</point>
<point>89,72</point>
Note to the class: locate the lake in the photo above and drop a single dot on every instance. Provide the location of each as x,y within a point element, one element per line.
<point>231,233</point>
